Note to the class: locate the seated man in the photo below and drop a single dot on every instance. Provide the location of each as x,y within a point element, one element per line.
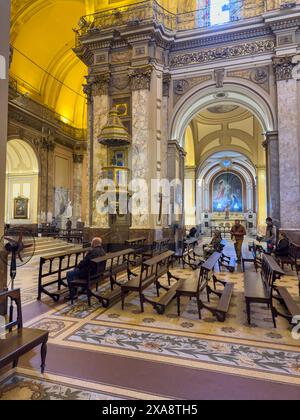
<point>81,272</point>
<point>283,247</point>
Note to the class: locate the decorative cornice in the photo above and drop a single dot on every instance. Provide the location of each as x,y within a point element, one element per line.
<point>283,67</point>
<point>140,78</point>
<point>221,38</point>
<point>222,53</point>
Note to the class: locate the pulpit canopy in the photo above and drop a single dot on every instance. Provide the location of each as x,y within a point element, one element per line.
<point>114,132</point>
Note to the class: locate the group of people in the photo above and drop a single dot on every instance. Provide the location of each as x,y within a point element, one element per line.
<point>238,233</point>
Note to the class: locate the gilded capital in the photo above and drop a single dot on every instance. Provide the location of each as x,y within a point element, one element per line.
<point>140,77</point>
<point>100,84</point>
<point>283,67</point>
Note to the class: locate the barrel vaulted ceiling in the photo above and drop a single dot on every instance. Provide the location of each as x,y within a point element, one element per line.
<point>44,64</point>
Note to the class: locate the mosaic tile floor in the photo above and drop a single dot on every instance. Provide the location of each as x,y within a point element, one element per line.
<point>24,384</point>
<point>255,351</point>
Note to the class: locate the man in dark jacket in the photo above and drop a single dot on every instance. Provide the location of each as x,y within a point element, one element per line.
<point>81,271</point>
<point>283,247</point>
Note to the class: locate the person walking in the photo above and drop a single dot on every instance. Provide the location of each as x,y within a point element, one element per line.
<point>238,232</point>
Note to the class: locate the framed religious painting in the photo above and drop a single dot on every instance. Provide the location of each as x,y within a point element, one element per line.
<point>21,208</point>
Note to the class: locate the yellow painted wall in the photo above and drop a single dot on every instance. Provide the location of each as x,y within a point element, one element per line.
<point>63,168</point>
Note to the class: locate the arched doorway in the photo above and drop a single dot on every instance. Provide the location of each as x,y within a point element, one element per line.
<point>225,168</point>
<point>22,181</point>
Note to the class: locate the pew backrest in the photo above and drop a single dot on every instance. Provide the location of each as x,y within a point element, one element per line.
<point>206,270</point>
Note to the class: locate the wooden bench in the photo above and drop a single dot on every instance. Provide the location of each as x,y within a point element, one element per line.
<point>162,263</point>
<point>291,306</point>
<point>139,246</point>
<point>259,287</point>
<point>54,267</point>
<point>151,270</point>
<point>101,269</point>
<point>73,235</point>
<point>19,340</point>
<point>159,246</point>
<point>187,255</point>
<point>195,286</point>
<point>252,255</point>
<point>227,262</point>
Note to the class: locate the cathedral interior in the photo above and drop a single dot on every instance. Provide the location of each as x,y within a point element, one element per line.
<point>165,136</point>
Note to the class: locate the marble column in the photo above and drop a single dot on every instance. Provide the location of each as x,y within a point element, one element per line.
<point>4,64</point>
<point>47,179</point>
<point>288,142</point>
<point>261,196</point>
<point>77,186</point>
<point>272,176</point>
<point>101,109</point>
<point>190,196</point>
<point>88,90</point>
<point>140,79</point>
<point>176,172</point>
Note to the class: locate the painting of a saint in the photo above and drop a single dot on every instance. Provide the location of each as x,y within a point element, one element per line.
<point>227,193</point>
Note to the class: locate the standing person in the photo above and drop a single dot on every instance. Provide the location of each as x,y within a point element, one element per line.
<point>69,225</point>
<point>270,237</point>
<point>238,232</point>
<point>53,225</point>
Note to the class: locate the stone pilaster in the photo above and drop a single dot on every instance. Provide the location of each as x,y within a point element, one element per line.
<point>4,52</point>
<point>47,179</point>
<point>140,154</point>
<point>272,174</point>
<point>288,142</point>
<point>176,156</point>
<point>99,107</point>
<point>261,197</point>
<point>90,152</point>
<point>190,195</point>
<point>140,80</point>
<point>77,185</point>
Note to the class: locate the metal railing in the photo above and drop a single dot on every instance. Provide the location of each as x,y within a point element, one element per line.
<point>150,11</point>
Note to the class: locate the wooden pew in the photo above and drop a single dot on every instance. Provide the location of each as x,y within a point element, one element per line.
<point>187,255</point>
<point>139,246</point>
<point>151,270</point>
<point>19,340</point>
<point>227,262</point>
<point>259,287</point>
<point>251,256</point>
<point>288,302</point>
<point>200,282</point>
<point>55,266</point>
<point>159,246</point>
<point>162,263</point>
<point>101,269</point>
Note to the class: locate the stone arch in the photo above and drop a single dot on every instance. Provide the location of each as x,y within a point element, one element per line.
<point>249,96</point>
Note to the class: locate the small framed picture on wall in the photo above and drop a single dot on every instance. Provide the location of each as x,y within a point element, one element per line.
<point>21,208</point>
